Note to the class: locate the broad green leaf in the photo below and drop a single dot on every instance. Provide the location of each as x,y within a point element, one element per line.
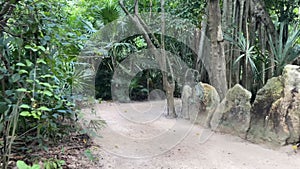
<point>25,106</point>
<point>20,64</point>
<point>28,63</point>
<point>41,61</point>
<point>22,165</point>
<point>42,48</point>
<point>35,166</point>
<point>44,108</point>
<point>23,71</point>
<point>25,113</point>
<point>36,116</point>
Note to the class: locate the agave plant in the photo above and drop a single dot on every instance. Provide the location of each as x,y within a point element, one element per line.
<point>285,53</point>
<point>248,52</point>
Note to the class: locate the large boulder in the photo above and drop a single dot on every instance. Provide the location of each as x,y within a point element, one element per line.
<point>233,114</point>
<point>266,98</point>
<point>291,101</point>
<point>205,107</point>
<point>275,115</point>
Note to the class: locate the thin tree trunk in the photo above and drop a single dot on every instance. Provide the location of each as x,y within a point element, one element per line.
<point>163,62</point>
<point>168,86</point>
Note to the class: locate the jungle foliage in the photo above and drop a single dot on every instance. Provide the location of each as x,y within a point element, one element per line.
<point>40,42</point>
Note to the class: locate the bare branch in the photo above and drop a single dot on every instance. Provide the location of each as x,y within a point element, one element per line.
<point>136,7</point>
<point>121,2</point>
<point>141,28</point>
<point>148,30</point>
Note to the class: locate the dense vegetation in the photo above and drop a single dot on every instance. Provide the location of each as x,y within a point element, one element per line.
<point>40,42</point>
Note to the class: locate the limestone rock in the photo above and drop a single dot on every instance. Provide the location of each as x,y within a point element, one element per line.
<point>206,106</point>
<point>291,101</point>
<point>186,99</point>
<point>275,116</point>
<point>233,114</point>
<point>266,98</point>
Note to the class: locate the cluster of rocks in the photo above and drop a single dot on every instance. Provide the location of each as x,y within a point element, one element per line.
<point>273,118</point>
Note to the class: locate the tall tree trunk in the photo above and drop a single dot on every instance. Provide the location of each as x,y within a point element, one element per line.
<point>217,73</point>
<point>169,87</point>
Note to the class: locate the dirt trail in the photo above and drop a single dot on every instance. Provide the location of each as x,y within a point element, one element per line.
<point>138,136</point>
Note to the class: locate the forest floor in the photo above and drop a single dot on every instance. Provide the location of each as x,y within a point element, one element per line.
<point>139,136</point>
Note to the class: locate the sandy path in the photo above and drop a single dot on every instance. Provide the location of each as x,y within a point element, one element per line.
<point>137,136</point>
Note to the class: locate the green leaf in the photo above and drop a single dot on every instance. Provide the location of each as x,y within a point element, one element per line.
<point>28,63</point>
<point>46,84</point>
<point>42,48</point>
<point>41,61</point>
<point>62,111</point>
<point>48,93</point>
<point>9,92</point>
<point>23,71</point>
<point>15,77</point>
<point>47,76</point>
<point>61,162</point>
<point>21,90</point>
<point>44,108</point>
<point>22,165</point>
<point>55,115</point>
<point>35,166</point>
<point>31,48</point>
<point>25,106</point>
<point>20,64</point>
<point>25,113</point>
